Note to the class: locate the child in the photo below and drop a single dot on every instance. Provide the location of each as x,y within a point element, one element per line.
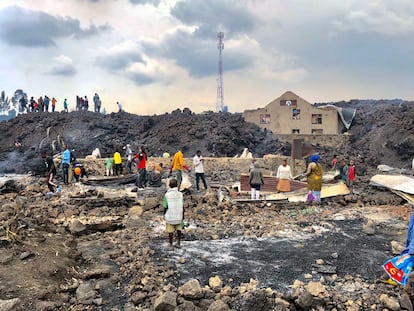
<point>173,213</point>
<point>351,173</point>
<point>108,165</point>
<point>334,162</point>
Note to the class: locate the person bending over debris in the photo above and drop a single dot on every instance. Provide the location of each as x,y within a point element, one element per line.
<point>173,212</point>
<point>79,171</point>
<point>51,171</point>
<point>255,181</point>
<point>155,177</point>
<point>314,173</point>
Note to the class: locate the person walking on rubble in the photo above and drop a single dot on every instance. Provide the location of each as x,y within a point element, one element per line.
<point>109,162</point>
<point>142,158</point>
<point>314,173</point>
<point>177,166</point>
<point>351,173</point>
<point>334,162</point>
<point>198,162</point>
<point>51,171</point>
<point>66,157</point>
<point>284,176</point>
<point>343,169</point>
<point>128,154</point>
<point>173,212</point>
<point>256,181</point>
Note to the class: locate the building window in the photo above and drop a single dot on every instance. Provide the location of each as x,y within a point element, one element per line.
<point>316,119</point>
<point>288,103</point>
<point>295,131</point>
<point>317,131</point>
<point>265,118</point>
<point>295,114</point>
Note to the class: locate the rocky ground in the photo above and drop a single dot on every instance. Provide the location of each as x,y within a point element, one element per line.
<point>103,248</point>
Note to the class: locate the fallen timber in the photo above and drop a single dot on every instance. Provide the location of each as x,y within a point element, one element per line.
<point>298,192</point>
<point>111,180</point>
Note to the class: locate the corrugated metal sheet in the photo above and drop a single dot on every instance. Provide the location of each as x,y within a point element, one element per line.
<point>270,183</point>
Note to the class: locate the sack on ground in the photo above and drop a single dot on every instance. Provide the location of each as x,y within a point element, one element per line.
<point>399,268</point>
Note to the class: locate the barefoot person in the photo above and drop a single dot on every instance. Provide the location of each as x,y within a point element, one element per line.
<point>173,205</point>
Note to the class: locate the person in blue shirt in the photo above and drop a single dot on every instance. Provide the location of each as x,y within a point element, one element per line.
<point>65,165</point>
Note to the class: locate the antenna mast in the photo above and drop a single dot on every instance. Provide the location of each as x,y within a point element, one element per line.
<point>220,97</point>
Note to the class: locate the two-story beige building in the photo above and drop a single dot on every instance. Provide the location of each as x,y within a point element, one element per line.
<point>291,114</point>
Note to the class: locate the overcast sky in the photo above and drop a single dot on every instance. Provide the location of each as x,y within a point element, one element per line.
<point>155,56</point>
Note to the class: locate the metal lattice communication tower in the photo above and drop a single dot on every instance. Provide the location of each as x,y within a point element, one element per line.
<point>220,96</point>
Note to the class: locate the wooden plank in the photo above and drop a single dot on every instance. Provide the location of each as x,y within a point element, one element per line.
<point>270,183</point>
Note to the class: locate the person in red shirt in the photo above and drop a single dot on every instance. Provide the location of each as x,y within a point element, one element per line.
<point>141,159</point>
<point>351,173</point>
<point>334,162</point>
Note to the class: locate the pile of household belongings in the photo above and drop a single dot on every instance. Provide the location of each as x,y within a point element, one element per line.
<point>331,187</point>
<point>401,185</point>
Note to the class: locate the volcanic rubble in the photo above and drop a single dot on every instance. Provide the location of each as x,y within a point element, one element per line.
<point>105,248</point>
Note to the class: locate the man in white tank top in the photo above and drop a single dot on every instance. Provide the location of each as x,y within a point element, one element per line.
<point>174,211</point>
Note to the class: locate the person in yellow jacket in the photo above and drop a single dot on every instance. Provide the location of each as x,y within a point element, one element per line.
<point>117,163</point>
<point>177,166</point>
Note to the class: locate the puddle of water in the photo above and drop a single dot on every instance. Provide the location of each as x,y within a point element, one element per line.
<point>277,262</point>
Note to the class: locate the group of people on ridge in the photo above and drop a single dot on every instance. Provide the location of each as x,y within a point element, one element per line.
<point>42,104</point>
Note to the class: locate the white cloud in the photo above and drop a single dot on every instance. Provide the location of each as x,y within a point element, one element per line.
<point>378,17</point>
<point>166,54</point>
<point>62,66</point>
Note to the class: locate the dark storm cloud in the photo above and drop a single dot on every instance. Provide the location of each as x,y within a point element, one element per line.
<point>141,78</point>
<point>208,16</point>
<point>199,57</point>
<point>197,51</point>
<point>24,27</point>
<point>67,70</point>
<point>120,57</point>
